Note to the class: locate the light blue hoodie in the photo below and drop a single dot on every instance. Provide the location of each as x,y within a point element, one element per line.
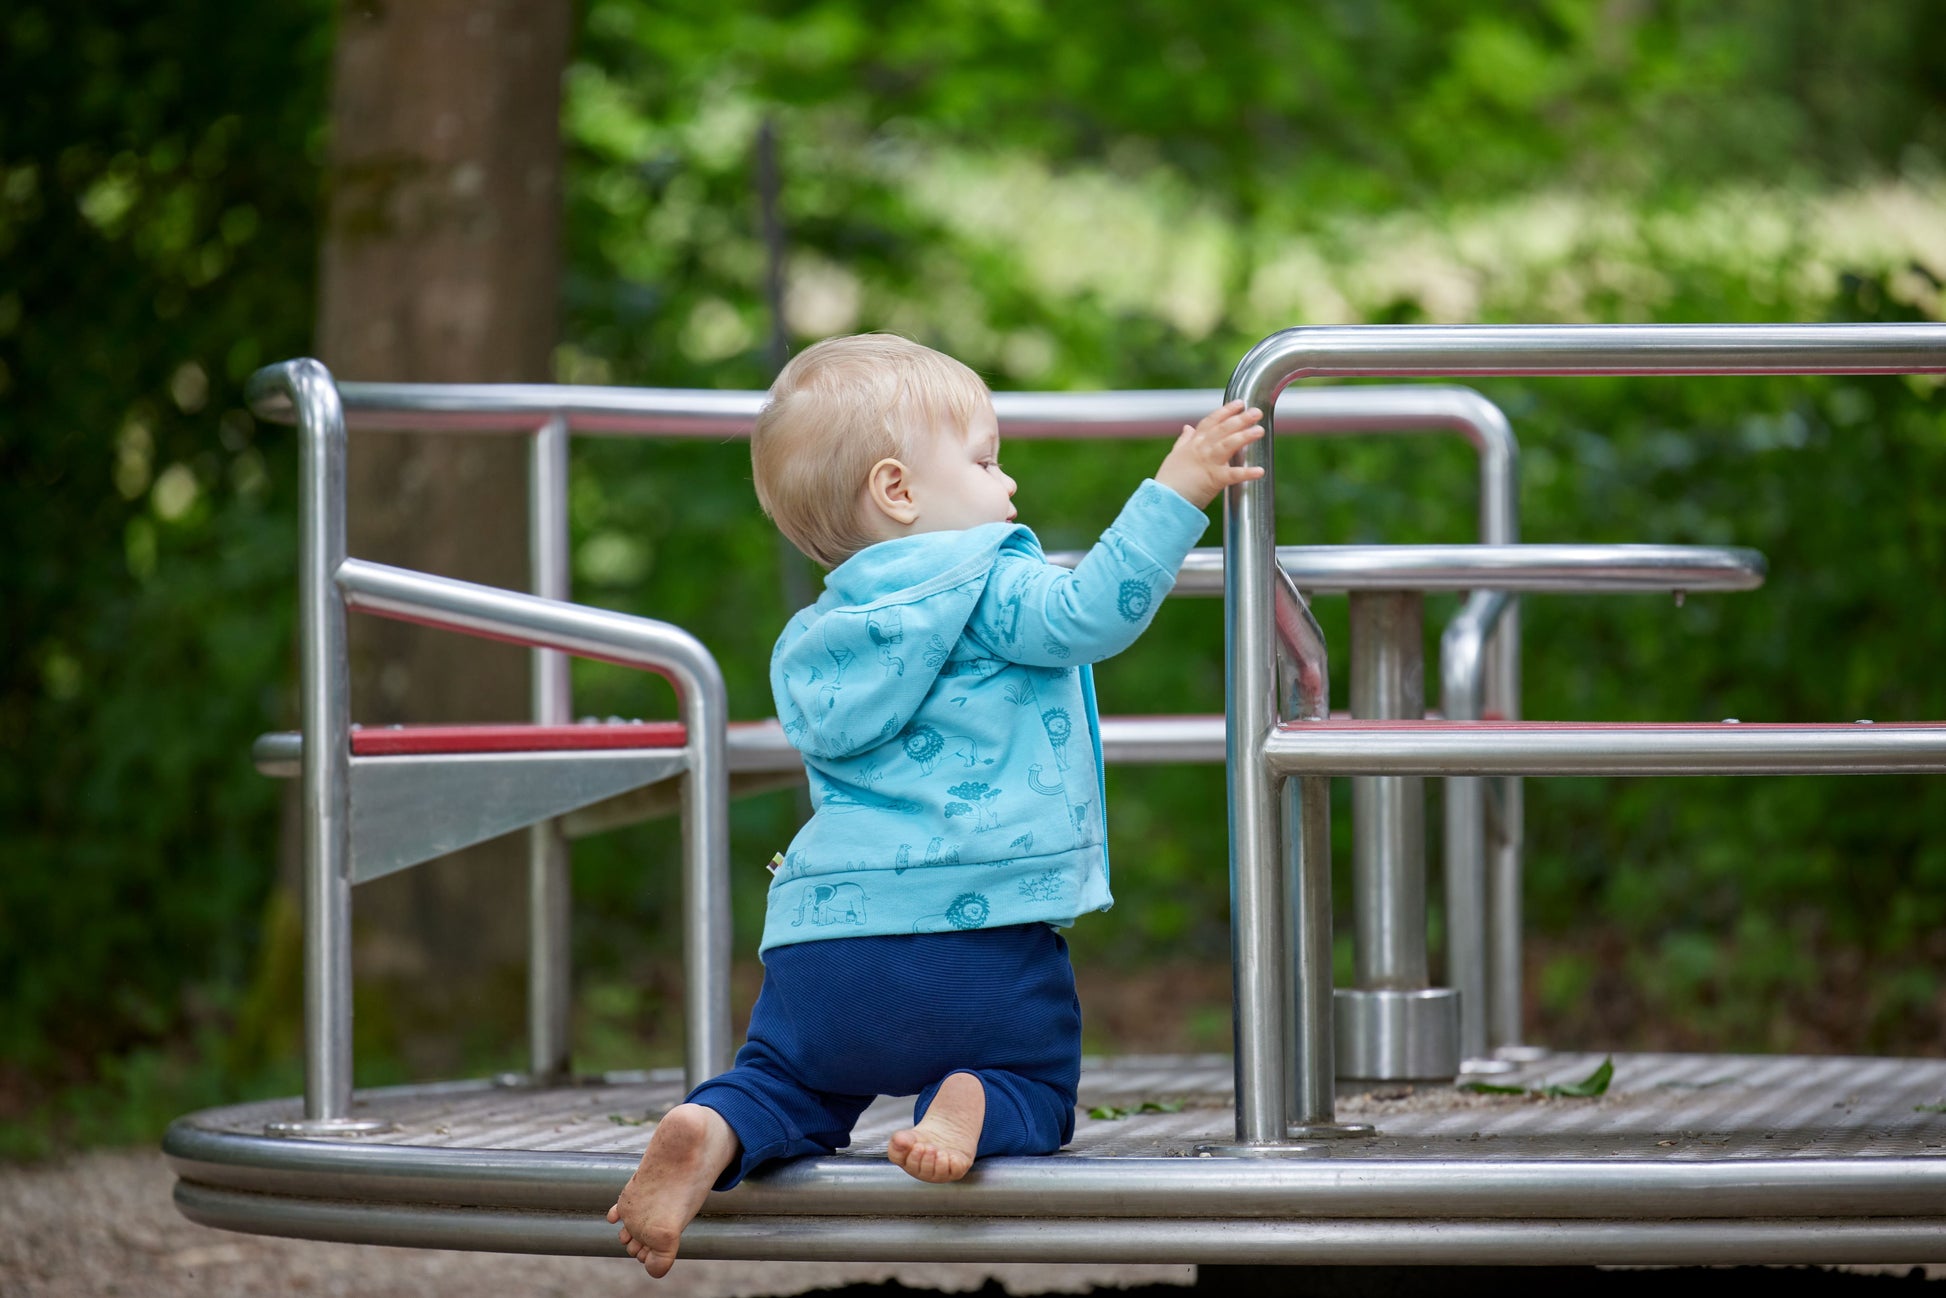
<point>940,693</point>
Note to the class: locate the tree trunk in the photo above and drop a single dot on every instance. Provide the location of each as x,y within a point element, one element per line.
<point>441,263</point>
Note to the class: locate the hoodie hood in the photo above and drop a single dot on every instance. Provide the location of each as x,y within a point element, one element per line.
<point>850,671</point>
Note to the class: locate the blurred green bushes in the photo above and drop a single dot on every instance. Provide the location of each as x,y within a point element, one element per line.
<point>1065,196</point>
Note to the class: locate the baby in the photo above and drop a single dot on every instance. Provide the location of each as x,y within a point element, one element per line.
<point>940,693</point>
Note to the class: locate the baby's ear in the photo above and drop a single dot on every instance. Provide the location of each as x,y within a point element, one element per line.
<point>888,485</point>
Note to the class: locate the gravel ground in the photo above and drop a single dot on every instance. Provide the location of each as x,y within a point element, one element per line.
<point>102,1223</point>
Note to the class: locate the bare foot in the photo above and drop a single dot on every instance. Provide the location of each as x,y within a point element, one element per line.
<point>689,1150</point>
<point>943,1146</point>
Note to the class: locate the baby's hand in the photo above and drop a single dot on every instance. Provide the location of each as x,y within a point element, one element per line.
<point>1198,467</point>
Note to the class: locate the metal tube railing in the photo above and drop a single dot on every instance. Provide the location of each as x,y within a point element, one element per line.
<point>704,707</point>
<point>1460,699</point>
<point>550,964</point>
<point>1429,351</point>
<point>325,778</point>
<point>1609,748</point>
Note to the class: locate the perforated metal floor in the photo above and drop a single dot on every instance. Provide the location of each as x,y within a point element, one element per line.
<point>1657,1107</point>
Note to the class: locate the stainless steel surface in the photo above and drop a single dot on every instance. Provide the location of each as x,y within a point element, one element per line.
<point>809,1239</point>
<point>1388,862</point>
<point>637,642</point>
<point>1506,824</point>
<point>1436,351</point>
<point>1395,1035</point>
<point>409,809</point>
<point>1605,748</point>
<point>1304,689</point>
<point>759,747</point>
<point>1462,650</point>
<point>697,412</point>
<point>1557,569</point>
<point>1829,1150</point>
<point>550,964</point>
<point>324,707</point>
<point>1259,952</point>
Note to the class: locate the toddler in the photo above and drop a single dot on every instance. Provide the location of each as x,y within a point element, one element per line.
<point>940,693</point>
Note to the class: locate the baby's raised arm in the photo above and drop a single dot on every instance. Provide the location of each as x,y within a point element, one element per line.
<point>1036,613</point>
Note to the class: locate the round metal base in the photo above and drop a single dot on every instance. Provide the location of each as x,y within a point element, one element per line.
<point>1244,1149</point>
<point>1330,1131</point>
<point>1398,1036</point>
<point>329,1128</point>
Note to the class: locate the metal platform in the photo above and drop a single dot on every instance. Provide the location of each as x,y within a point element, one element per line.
<point>1687,1158</point>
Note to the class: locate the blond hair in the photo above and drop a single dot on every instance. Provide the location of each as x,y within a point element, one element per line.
<point>836,410</point>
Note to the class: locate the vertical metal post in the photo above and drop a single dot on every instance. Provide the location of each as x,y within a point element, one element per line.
<point>1391,1024</point>
<point>325,709</point>
<point>1500,834</point>
<point>1388,812</point>
<point>1504,886</point>
<point>1461,649</point>
<point>1304,691</point>
<point>704,792</point>
<point>1257,900</point>
<point>549,888</point>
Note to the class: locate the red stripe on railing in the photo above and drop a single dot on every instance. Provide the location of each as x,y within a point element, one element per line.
<point>395,741</point>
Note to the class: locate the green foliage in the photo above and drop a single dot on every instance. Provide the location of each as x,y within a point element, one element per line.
<point>157,225</point>
<point>1593,1085</point>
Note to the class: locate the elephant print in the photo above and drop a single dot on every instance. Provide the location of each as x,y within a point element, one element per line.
<point>887,629</point>
<point>825,904</point>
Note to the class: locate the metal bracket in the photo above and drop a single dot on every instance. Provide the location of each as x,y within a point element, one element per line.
<point>405,810</point>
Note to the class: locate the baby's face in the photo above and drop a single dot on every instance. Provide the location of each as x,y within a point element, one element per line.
<point>957,481</point>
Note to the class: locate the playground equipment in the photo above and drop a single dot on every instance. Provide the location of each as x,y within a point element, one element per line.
<point>531,1168</point>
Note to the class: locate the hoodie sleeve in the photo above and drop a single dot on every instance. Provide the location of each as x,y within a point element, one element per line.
<point>1043,615</point>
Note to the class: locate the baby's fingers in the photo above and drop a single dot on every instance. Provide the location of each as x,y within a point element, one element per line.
<point>1240,438</point>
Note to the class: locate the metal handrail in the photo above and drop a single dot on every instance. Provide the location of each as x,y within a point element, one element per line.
<point>1555,569</point>
<point>1615,748</point>
<point>1260,956</point>
<point>703,703</point>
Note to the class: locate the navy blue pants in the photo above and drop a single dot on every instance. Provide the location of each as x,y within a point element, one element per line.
<point>842,1021</point>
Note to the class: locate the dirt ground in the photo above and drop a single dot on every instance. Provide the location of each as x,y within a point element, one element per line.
<point>102,1223</point>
